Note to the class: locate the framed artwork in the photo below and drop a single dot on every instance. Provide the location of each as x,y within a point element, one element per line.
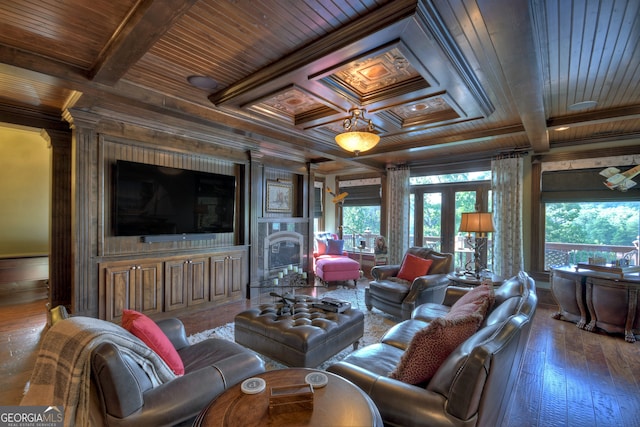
<point>278,196</point>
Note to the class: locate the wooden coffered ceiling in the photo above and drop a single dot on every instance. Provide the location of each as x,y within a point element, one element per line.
<point>443,80</point>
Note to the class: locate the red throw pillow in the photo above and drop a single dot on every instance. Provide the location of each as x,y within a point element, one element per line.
<point>413,266</point>
<point>431,346</point>
<point>150,333</point>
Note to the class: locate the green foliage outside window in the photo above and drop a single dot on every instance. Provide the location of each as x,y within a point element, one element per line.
<point>604,223</point>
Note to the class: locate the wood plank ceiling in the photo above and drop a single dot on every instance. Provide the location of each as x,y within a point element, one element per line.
<point>442,80</point>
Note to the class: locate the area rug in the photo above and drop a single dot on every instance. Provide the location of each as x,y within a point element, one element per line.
<point>376,323</point>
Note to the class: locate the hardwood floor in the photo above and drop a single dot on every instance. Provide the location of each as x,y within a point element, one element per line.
<point>570,377</point>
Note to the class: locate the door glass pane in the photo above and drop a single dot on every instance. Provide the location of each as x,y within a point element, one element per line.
<point>465,202</point>
<point>432,222</point>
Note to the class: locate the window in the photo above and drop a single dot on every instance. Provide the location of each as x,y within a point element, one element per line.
<point>361,212</point>
<point>318,205</point>
<point>580,217</point>
<point>575,232</point>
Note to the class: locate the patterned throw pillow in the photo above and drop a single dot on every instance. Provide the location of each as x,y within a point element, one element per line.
<point>430,347</point>
<point>150,333</point>
<point>413,266</point>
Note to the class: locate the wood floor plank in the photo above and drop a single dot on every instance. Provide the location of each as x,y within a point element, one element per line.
<point>554,384</point>
<point>579,393</point>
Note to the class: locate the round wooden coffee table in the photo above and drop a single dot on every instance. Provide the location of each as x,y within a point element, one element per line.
<point>339,403</point>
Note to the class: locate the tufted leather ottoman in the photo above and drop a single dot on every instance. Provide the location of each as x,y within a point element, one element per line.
<point>305,339</point>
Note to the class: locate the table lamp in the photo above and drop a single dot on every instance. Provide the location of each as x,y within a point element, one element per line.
<point>479,223</point>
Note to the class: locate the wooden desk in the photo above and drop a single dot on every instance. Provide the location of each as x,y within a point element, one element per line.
<point>597,299</point>
<point>339,403</point>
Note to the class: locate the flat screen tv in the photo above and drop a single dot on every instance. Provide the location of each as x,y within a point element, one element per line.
<point>157,200</point>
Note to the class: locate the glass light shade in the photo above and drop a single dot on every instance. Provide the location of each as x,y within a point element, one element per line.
<point>357,142</point>
<point>477,222</point>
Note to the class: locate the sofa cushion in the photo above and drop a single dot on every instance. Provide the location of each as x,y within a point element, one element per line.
<point>393,290</point>
<point>429,311</point>
<point>150,333</point>
<point>413,266</point>
<point>432,345</point>
<point>335,247</point>
<point>401,334</point>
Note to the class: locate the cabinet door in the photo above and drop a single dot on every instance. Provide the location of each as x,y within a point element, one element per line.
<point>149,287</point>
<point>235,274</point>
<point>175,284</point>
<point>198,281</point>
<point>218,277</point>
<point>131,286</point>
<point>119,284</point>
<point>227,276</point>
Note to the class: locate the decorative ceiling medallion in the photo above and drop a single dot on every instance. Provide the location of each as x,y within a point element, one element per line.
<point>424,111</point>
<point>367,75</point>
<point>292,102</point>
<point>293,105</point>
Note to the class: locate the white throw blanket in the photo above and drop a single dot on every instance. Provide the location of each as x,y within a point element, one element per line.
<point>62,372</point>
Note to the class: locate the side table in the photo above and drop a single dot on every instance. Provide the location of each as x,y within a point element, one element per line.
<point>467,280</point>
<point>339,403</point>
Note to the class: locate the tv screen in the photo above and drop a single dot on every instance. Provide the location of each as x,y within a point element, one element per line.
<point>154,200</point>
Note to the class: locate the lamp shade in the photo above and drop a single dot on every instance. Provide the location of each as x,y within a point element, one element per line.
<point>357,142</point>
<point>477,222</point>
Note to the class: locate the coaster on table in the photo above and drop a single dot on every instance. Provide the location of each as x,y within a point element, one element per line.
<point>253,385</point>
<point>316,379</point>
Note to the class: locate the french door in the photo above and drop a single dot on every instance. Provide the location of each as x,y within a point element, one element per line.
<point>435,212</point>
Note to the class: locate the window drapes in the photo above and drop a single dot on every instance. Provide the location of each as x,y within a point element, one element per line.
<point>507,190</point>
<point>398,191</point>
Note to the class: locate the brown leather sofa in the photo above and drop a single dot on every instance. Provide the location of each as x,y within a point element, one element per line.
<point>473,386</point>
<point>125,396</point>
<point>399,297</point>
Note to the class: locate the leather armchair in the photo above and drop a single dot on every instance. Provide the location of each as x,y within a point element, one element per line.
<point>125,396</point>
<point>398,297</point>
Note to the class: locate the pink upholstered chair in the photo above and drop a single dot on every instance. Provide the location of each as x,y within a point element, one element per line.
<point>331,262</point>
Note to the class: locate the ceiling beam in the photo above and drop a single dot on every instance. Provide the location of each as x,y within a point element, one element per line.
<point>631,112</point>
<point>510,25</point>
<point>147,21</point>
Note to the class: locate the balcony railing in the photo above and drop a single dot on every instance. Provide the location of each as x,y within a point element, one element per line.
<point>561,254</point>
<point>555,254</point>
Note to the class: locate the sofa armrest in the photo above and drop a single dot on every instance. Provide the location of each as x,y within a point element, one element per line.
<point>381,272</point>
<point>399,403</point>
<point>174,330</point>
<point>429,288</point>
<point>180,399</point>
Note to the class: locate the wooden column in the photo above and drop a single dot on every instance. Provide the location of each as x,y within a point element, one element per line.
<point>60,258</point>
<point>84,202</point>
<point>256,190</point>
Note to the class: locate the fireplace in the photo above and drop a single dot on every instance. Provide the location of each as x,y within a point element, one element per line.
<point>281,249</point>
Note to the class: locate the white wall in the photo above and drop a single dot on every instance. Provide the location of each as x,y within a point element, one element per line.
<point>24,192</point>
